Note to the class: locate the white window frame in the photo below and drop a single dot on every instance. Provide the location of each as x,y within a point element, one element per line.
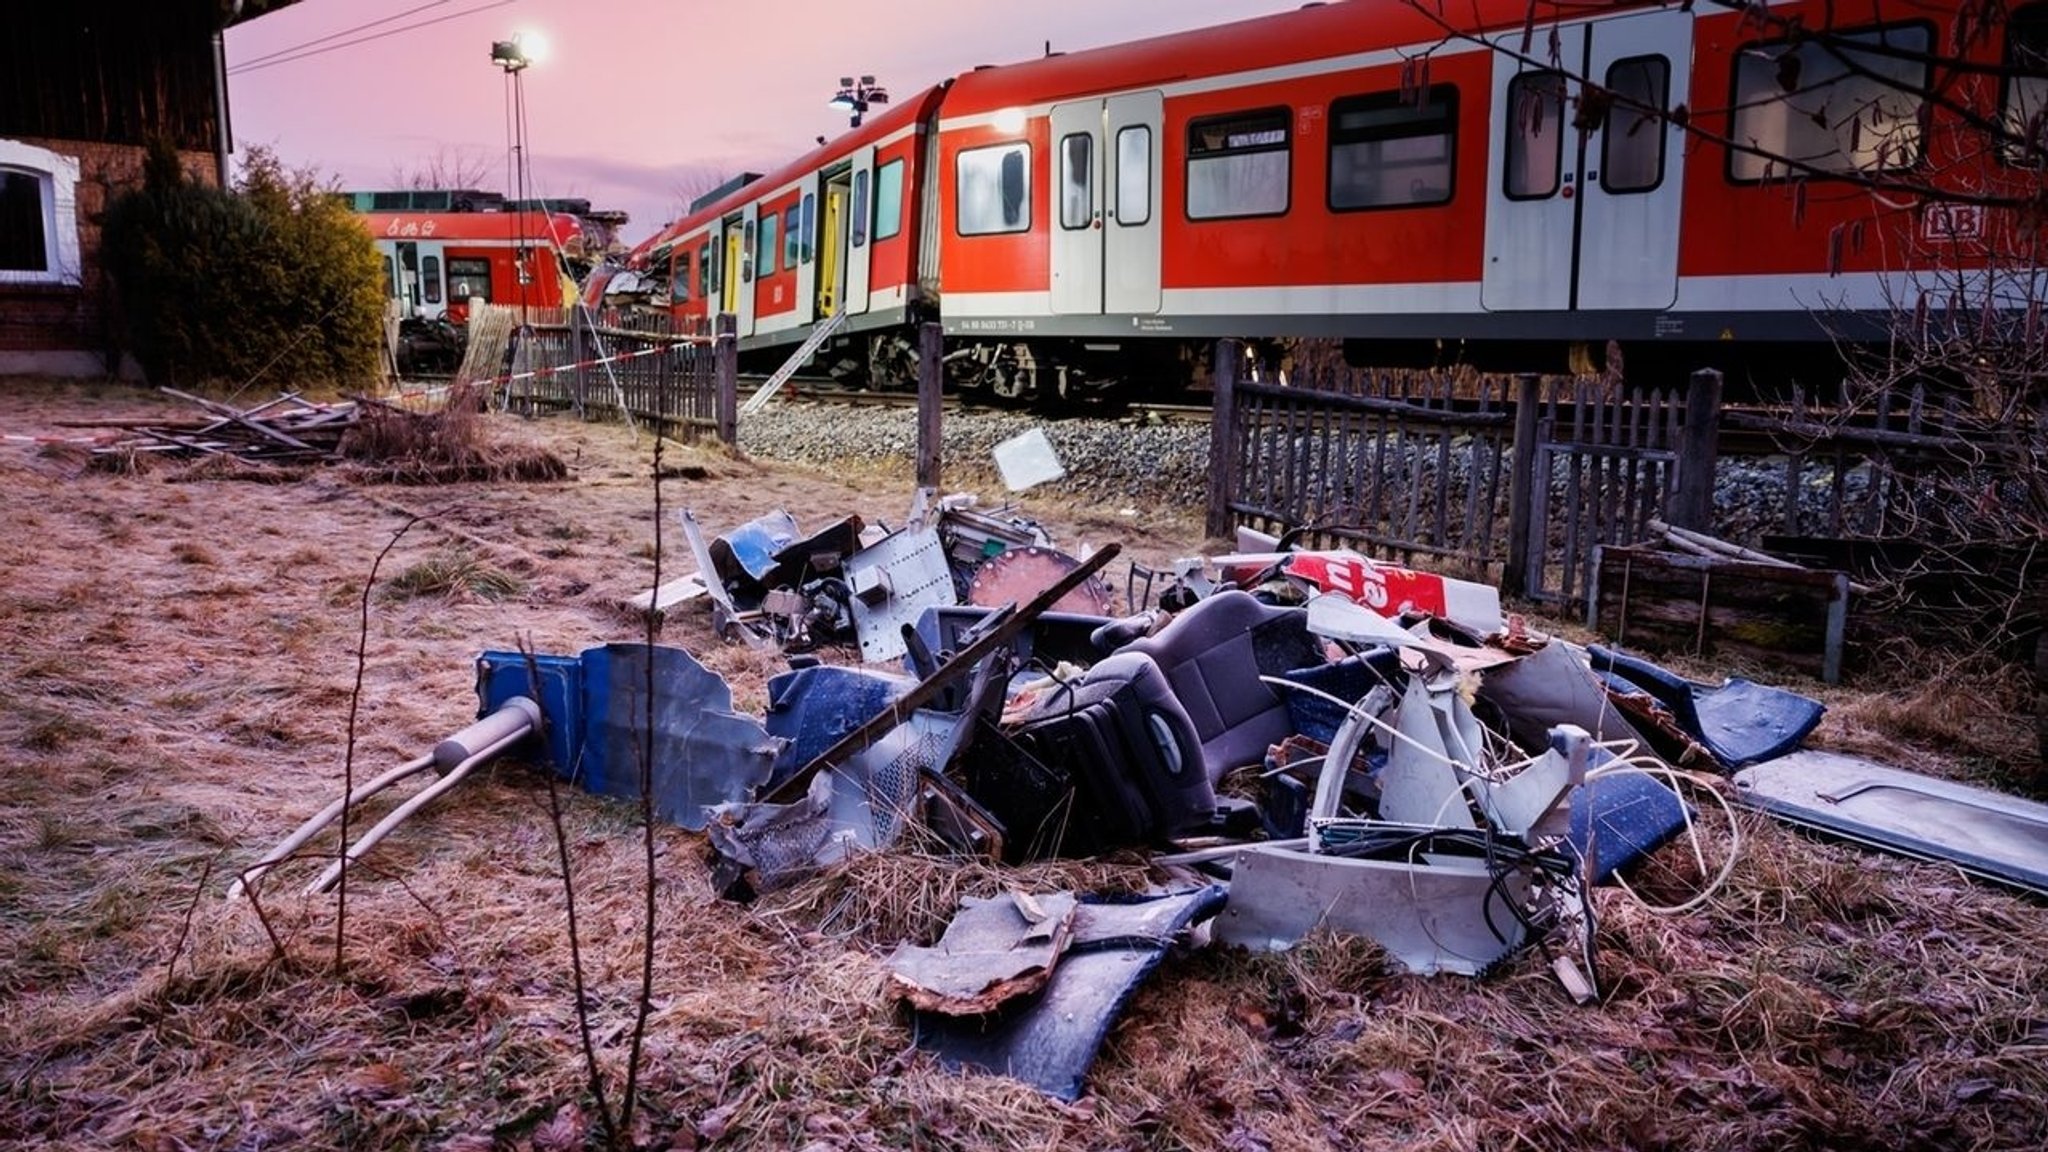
<point>58,176</point>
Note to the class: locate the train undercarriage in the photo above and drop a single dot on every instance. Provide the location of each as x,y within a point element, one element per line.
<point>1053,373</point>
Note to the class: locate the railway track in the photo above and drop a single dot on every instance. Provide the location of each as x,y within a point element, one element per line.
<point>825,392</point>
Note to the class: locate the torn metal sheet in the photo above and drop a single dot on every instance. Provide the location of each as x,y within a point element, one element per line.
<point>993,950</point>
<point>766,845</point>
<point>1445,915</point>
<point>877,792</point>
<point>1985,833</point>
<point>1554,686</point>
<point>1739,722</point>
<point>893,582</point>
<point>1419,784</point>
<point>704,754</point>
<point>1050,1040</point>
<point>750,550</point>
<point>726,613</point>
<point>1017,574</point>
<point>1537,800</point>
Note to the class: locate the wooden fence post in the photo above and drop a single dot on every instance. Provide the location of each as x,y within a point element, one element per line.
<point>1692,504</point>
<point>580,342</point>
<point>726,374</point>
<point>1223,436</point>
<point>1522,490</point>
<point>931,379</point>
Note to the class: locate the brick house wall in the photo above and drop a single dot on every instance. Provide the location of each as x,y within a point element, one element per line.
<point>70,329</point>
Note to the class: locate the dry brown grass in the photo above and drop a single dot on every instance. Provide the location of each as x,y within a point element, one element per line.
<point>161,721</point>
<point>449,445</point>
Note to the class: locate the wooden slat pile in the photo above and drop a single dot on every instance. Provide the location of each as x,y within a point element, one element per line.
<point>285,429</point>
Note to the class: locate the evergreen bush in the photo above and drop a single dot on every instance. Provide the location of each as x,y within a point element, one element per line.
<point>274,280</point>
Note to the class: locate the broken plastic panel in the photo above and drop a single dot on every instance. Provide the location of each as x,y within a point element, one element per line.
<point>1027,459</point>
<point>1449,914</point>
<point>1049,1041</point>
<point>1985,833</point>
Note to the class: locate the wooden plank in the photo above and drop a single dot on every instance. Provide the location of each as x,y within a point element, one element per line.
<point>660,599</point>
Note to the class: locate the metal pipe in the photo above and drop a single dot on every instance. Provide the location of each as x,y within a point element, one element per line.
<point>413,804</point>
<point>512,721</point>
<point>320,821</point>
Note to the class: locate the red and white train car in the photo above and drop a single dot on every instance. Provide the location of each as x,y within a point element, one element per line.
<point>435,263</point>
<point>1366,172</point>
<point>835,232</point>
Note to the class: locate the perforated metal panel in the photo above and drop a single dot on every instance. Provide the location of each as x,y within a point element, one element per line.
<point>915,573</point>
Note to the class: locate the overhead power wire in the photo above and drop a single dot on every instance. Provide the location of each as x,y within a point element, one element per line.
<point>363,27</point>
<point>294,55</point>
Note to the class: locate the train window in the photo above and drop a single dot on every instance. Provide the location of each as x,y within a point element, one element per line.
<point>790,237</point>
<point>2023,105</point>
<point>857,224</point>
<point>807,225</point>
<point>747,252</point>
<point>430,278</point>
<point>1535,144</point>
<point>704,270</point>
<point>717,250</point>
<point>468,278</point>
<point>390,279</point>
<point>888,199</point>
<point>1632,141</point>
<point>1134,175</point>
<point>1825,105</point>
<point>994,189</point>
<point>1393,149</point>
<point>1238,165</point>
<point>1077,180</point>
<point>679,279</point>
<point>770,243</point>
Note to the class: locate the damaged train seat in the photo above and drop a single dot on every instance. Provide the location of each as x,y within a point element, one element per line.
<point>1214,655</point>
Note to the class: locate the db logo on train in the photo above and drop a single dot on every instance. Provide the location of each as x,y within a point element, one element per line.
<point>1386,590</point>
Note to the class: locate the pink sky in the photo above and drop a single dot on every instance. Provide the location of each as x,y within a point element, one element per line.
<point>638,101</point>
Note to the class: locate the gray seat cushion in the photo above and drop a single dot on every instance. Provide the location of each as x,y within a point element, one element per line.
<point>1213,655</point>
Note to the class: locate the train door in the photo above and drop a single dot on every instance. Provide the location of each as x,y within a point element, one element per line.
<point>1628,241</point>
<point>1130,235</point>
<point>749,237</point>
<point>1586,219</point>
<point>421,279</point>
<point>729,283</point>
<point>714,291</point>
<point>1077,219</point>
<point>803,235</point>
<point>1105,234</point>
<point>831,243</point>
<point>860,221</point>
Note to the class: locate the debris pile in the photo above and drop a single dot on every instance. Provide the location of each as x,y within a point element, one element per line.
<point>383,439</point>
<point>1297,741</point>
<point>287,428</point>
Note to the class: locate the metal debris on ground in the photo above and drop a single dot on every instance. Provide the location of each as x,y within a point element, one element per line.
<point>1426,771</point>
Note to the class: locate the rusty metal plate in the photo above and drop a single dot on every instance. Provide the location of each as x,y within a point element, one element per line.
<point>1018,574</point>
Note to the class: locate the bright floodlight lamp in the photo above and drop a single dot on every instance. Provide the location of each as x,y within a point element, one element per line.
<point>507,54</point>
<point>855,97</point>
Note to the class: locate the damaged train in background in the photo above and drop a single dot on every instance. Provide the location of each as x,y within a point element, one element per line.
<point>1504,184</point>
